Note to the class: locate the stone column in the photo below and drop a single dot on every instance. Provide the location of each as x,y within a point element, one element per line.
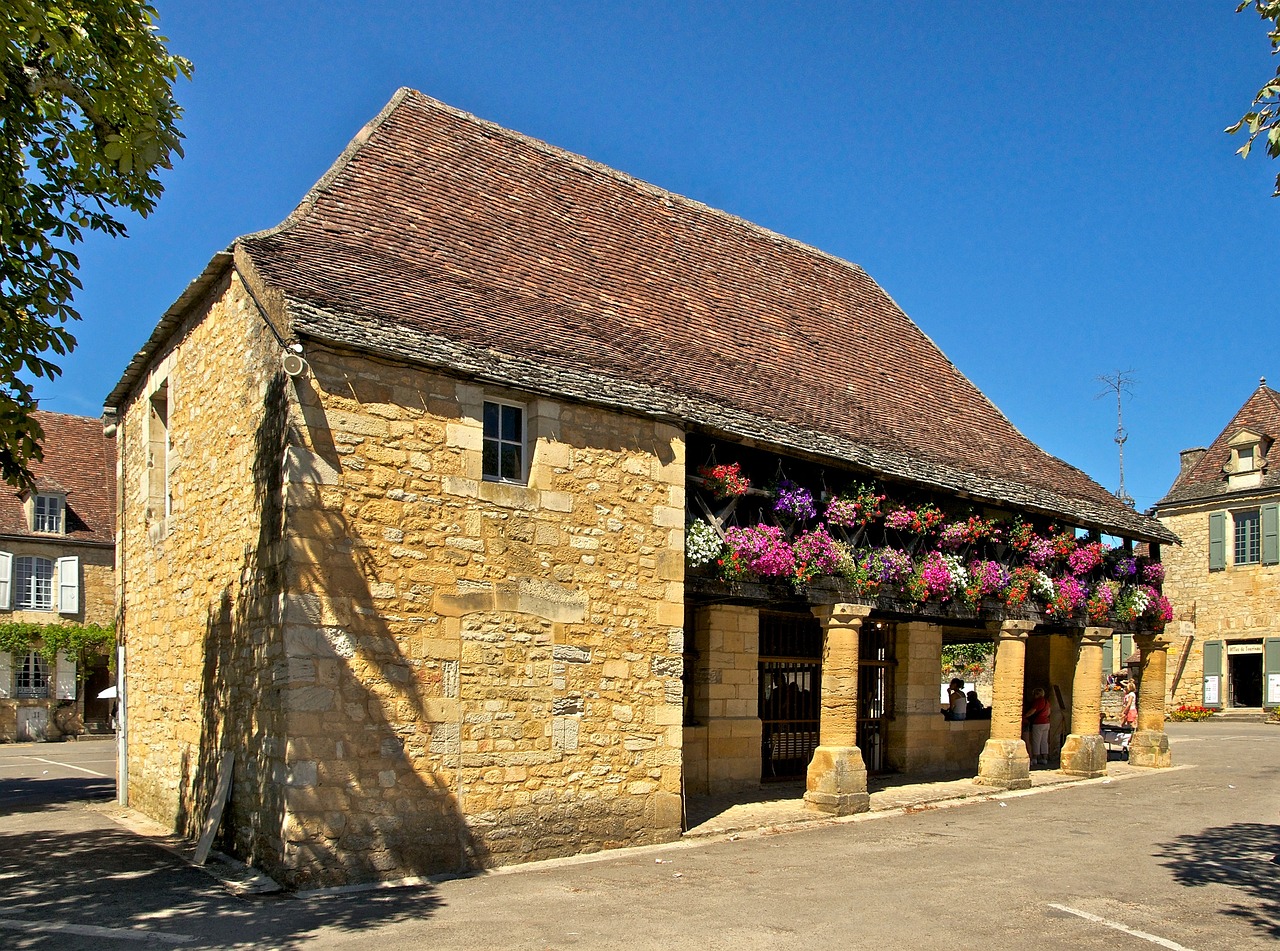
<point>1004,760</point>
<point>1084,753</point>
<point>836,782</point>
<point>1150,744</point>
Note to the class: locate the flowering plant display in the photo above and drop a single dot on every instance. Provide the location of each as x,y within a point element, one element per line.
<point>921,520</point>
<point>816,553</point>
<point>1085,558</point>
<point>1070,576</point>
<point>794,502</point>
<point>701,544</point>
<point>1125,567</point>
<point>857,510</point>
<point>1191,712</point>
<point>725,481</point>
<point>762,550</point>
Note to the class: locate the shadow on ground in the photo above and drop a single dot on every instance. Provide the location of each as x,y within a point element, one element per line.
<point>35,795</point>
<point>109,878</point>
<point>1244,856</point>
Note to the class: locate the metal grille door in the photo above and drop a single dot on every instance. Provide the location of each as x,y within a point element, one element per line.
<point>790,691</point>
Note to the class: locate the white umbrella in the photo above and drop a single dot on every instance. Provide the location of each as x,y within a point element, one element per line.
<point>108,694</point>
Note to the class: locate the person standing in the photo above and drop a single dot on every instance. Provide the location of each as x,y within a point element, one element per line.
<point>1038,716</point>
<point>1129,712</point>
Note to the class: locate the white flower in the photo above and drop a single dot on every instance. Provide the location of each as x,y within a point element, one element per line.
<point>701,544</point>
<point>1043,586</point>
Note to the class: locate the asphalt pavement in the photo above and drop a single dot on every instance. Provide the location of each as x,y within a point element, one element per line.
<point>1186,858</point>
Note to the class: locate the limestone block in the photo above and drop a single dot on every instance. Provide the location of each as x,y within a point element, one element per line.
<point>1005,764</point>
<point>1084,755</point>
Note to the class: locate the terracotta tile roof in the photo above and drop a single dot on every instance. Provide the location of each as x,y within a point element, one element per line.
<point>80,461</point>
<point>1204,479</point>
<point>445,239</point>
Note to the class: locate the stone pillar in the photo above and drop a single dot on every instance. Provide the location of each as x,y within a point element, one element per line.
<point>1150,744</point>
<point>836,782</point>
<point>726,696</point>
<point>1004,761</point>
<point>1084,753</point>
<point>916,740</point>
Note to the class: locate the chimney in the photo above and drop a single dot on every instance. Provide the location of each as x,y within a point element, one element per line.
<point>1189,459</point>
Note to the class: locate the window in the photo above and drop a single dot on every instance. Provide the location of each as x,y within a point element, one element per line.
<point>34,583</point>
<point>47,514</point>
<point>1248,538</point>
<point>1244,459</point>
<point>503,442</point>
<point>33,678</point>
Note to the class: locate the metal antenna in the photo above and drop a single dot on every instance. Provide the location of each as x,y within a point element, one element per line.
<point>1121,384</point>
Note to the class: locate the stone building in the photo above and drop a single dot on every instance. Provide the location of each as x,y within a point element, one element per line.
<point>1225,579</point>
<point>406,483</point>
<point>57,555</point>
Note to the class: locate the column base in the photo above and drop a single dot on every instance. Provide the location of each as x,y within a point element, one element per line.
<point>1084,755</point>
<point>836,782</point>
<point>1150,748</point>
<point>1004,763</point>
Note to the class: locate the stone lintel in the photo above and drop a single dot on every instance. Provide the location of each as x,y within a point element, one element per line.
<point>836,782</point>
<point>1150,748</point>
<point>1004,764</point>
<point>1084,755</point>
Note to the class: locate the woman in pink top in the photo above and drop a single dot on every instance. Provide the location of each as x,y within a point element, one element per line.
<point>1038,717</point>
<point>1129,714</point>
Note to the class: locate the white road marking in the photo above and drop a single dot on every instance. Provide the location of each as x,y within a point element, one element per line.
<point>1154,939</point>
<point>92,931</point>
<point>54,762</point>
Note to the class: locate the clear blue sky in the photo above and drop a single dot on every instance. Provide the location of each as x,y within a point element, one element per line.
<point>1046,190</point>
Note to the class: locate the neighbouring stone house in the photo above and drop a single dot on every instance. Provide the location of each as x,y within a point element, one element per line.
<point>57,556</point>
<point>1225,579</point>
<point>438,511</point>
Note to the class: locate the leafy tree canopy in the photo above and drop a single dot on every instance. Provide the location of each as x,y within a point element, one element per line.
<point>87,121</point>
<point>1264,119</point>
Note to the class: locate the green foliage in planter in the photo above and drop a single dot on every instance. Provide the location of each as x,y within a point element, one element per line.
<point>81,641</point>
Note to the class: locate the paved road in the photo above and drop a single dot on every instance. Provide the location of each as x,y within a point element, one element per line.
<point>32,773</point>
<point>1186,858</point>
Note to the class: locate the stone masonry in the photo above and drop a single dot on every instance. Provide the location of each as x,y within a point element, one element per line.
<point>417,670</point>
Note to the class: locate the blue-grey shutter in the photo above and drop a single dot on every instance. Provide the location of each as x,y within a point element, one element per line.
<point>1126,648</point>
<point>1217,541</point>
<point>1271,671</point>
<point>1213,674</point>
<point>1108,658</point>
<point>1270,534</point>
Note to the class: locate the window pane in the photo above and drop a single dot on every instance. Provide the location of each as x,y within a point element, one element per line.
<point>34,578</point>
<point>511,424</point>
<point>1248,538</point>
<point>490,463</point>
<point>511,463</point>
<point>491,420</point>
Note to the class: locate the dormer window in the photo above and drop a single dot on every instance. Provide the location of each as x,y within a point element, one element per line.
<point>47,514</point>
<point>1248,459</point>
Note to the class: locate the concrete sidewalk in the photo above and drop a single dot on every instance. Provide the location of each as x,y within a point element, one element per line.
<point>780,806</point>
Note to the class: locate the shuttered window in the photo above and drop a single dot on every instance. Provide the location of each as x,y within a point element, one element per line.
<point>1270,534</point>
<point>1217,541</point>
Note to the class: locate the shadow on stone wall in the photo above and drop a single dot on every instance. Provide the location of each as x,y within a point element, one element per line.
<point>326,722</point>
<point>1244,856</point>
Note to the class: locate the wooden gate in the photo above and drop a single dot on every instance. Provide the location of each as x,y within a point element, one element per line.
<point>790,691</point>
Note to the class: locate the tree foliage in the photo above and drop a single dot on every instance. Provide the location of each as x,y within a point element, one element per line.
<point>87,122</point>
<point>1264,119</point>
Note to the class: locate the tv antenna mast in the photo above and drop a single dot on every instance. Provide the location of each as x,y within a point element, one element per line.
<point>1121,384</point>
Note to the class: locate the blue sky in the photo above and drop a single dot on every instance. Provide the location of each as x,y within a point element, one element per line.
<point>1045,189</point>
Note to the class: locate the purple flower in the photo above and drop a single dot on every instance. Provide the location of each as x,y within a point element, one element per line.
<point>794,502</point>
<point>1153,573</point>
<point>816,553</point>
<point>763,549</point>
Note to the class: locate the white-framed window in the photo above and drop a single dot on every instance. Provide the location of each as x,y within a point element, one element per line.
<point>159,491</point>
<point>1248,536</point>
<point>47,514</point>
<point>33,583</point>
<point>32,682</point>
<point>504,447</point>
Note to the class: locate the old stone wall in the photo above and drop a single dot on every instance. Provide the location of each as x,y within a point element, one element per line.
<point>201,583</point>
<point>1241,602</point>
<point>477,673</point>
